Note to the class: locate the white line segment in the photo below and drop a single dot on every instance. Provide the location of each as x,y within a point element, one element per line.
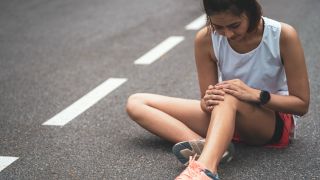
<point>85,102</point>
<point>5,161</point>
<point>159,50</point>
<point>197,24</point>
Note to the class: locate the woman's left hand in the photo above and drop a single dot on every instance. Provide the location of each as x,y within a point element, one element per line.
<point>238,89</point>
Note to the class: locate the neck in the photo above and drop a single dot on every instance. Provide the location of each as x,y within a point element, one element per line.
<point>256,33</point>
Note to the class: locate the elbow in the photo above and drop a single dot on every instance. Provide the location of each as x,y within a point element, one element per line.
<point>302,113</point>
<point>304,109</point>
<point>302,106</point>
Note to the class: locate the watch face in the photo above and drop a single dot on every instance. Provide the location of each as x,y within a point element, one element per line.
<point>264,97</point>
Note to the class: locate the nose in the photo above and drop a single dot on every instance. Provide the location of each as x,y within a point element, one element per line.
<point>228,33</point>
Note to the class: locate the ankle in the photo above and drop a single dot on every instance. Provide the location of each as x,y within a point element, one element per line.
<point>209,166</point>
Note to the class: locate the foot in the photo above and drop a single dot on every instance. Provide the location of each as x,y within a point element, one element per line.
<point>183,150</point>
<point>196,171</point>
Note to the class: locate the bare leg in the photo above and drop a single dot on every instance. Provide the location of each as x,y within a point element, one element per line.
<point>173,119</point>
<point>255,124</point>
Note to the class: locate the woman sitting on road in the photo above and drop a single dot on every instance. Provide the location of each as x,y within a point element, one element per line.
<point>263,83</point>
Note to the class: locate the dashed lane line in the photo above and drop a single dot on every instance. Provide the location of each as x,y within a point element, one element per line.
<point>197,23</point>
<point>109,85</point>
<point>5,161</point>
<point>159,50</point>
<point>85,102</point>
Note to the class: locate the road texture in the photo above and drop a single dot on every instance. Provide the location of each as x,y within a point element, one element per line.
<point>52,53</point>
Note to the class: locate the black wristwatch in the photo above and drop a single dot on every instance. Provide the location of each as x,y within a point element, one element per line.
<point>264,97</point>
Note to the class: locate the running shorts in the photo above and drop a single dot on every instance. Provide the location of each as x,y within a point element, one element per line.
<point>284,131</point>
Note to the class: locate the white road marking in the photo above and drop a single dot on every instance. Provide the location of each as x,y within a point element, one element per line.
<point>159,50</point>
<point>197,24</point>
<point>85,102</point>
<point>5,161</point>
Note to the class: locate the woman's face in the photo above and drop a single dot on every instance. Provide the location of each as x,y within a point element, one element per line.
<point>231,26</point>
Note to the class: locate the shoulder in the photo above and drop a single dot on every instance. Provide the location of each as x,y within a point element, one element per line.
<point>203,41</point>
<point>290,45</point>
<point>288,34</point>
<point>203,37</point>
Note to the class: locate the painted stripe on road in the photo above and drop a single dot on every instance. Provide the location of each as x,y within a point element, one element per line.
<point>159,50</point>
<point>197,24</point>
<point>5,161</point>
<point>85,102</point>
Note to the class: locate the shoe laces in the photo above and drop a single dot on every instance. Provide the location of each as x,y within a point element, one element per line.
<point>193,171</point>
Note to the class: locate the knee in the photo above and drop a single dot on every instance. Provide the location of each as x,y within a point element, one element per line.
<point>134,105</point>
<point>238,105</point>
<point>231,101</point>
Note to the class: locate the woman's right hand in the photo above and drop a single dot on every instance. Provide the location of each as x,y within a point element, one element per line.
<point>212,97</point>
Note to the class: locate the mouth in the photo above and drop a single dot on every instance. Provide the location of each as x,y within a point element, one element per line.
<point>235,38</point>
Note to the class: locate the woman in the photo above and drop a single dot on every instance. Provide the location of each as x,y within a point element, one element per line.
<point>263,82</point>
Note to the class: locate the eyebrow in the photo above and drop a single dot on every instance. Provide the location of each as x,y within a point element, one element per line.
<point>232,24</point>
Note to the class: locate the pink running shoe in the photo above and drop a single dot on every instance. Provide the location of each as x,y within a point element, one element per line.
<point>196,171</point>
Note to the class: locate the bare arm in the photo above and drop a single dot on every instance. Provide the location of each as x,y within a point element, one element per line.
<point>296,71</point>
<point>205,62</point>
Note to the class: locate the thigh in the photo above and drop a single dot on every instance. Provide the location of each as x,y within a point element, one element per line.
<point>254,123</point>
<point>187,111</point>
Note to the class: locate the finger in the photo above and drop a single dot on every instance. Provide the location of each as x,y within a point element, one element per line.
<point>212,103</point>
<point>218,86</point>
<point>209,108</point>
<point>219,92</point>
<point>210,92</point>
<point>213,97</point>
<point>217,97</point>
<point>218,89</point>
<point>224,85</point>
<point>231,92</point>
<point>230,87</point>
<point>207,96</point>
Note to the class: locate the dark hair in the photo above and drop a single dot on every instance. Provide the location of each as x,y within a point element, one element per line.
<point>250,7</point>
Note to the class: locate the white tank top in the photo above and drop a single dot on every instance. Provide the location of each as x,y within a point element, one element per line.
<point>260,68</point>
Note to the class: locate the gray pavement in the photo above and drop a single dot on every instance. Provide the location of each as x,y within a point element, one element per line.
<point>54,52</point>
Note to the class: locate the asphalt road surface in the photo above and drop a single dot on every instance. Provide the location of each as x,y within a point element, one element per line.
<point>53,53</point>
